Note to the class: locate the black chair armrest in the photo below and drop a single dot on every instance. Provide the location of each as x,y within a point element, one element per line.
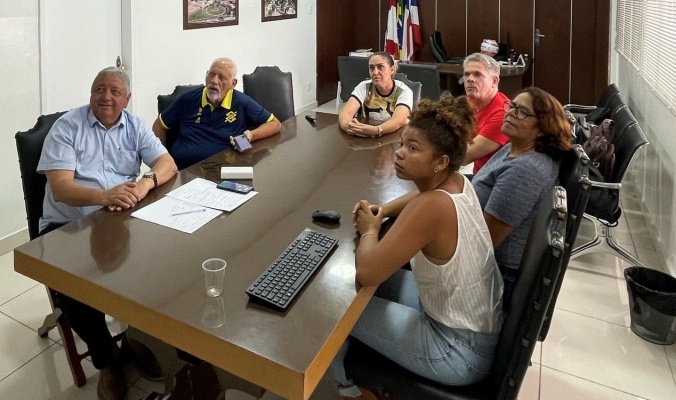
<point>579,108</point>
<point>606,185</point>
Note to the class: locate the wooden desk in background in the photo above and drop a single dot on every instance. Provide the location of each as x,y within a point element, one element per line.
<point>150,276</point>
<point>511,78</point>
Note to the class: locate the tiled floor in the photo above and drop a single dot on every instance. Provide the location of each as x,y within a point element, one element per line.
<point>590,352</point>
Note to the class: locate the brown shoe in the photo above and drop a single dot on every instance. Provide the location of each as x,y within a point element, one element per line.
<point>143,358</point>
<point>112,385</point>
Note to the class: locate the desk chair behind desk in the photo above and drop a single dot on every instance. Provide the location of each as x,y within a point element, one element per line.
<point>439,50</point>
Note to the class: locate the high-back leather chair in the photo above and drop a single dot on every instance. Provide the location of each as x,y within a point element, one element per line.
<point>163,101</point>
<point>437,46</point>
<point>610,91</point>
<point>414,86</point>
<point>603,208</point>
<point>439,50</point>
<point>427,75</point>
<point>540,267</point>
<point>622,118</point>
<point>436,52</point>
<point>29,147</point>
<point>615,103</point>
<point>574,177</point>
<point>351,72</point>
<point>272,89</point>
<point>597,113</point>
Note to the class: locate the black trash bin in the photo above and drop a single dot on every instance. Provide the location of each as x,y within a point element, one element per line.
<point>652,304</point>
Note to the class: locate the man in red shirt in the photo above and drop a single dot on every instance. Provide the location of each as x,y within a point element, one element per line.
<point>481,78</point>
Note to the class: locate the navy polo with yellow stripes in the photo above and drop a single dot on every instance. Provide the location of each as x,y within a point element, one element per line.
<point>206,130</point>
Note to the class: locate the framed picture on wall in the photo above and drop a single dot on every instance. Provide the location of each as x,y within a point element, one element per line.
<point>272,10</point>
<point>208,13</point>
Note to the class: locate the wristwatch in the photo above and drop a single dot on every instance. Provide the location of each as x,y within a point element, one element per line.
<point>151,175</point>
<point>380,130</point>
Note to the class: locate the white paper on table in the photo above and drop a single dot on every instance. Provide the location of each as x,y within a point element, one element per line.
<point>205,193</point>
<point>176,214</point>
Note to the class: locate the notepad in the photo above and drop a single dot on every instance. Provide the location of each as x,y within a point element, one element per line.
<point>204,193</point>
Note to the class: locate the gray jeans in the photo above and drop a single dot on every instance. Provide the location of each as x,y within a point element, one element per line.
<point>395,325</point>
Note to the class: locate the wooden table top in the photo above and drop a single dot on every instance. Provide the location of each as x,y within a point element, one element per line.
<point>150,276</point>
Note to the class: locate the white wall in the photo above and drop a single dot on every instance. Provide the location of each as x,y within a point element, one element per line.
<point>20,100</point>
<point>78,38</point>
<point>653,173</point>
<point>161,54</point>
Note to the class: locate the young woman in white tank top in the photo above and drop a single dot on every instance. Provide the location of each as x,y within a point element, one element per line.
<point>442,319</point>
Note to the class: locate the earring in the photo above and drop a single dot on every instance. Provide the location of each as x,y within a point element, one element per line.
<point>436,170</point>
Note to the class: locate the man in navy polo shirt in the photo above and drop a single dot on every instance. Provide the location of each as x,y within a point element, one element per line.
<point>207,117</point>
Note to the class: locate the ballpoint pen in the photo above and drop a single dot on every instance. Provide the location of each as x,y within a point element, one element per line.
<point>189,212</point>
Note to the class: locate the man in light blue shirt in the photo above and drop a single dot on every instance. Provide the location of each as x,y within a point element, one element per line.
<point>92,158</point>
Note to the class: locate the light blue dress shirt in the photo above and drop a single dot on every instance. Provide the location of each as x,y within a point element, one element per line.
<point>100,158</point>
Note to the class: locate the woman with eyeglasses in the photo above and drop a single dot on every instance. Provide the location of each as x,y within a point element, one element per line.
<point>379,105</point>
<point>513,182</point>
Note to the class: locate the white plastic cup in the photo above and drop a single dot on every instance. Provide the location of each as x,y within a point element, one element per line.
<point>214,274</point>
<point>213,315</point>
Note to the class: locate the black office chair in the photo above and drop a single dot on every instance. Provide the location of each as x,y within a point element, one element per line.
<point>615,103</point>
<point>603,208</point>
<point>29,147</point>
<point>351,72</point>
<point>623,119</point>
<point>437,48</point>
<point>272,89</point>
<point>414,86</point>
<point>439,51</point>
<point>163,101</point>
<point>603,102</point>
<point>574,177</point>
<point>427,75</point>
<point>540,267</point>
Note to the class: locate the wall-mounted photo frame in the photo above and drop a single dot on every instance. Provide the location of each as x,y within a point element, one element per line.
<point>273,10</point>
<point>209,13</point>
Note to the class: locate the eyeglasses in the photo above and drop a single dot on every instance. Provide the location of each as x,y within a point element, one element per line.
<point>520,112</point>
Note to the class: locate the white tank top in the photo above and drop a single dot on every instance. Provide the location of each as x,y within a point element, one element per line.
<point>466,292</point>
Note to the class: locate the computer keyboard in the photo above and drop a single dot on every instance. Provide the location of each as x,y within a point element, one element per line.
<point>286,277</point>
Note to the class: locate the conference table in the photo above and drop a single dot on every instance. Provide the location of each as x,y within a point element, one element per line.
<point>150,276</point>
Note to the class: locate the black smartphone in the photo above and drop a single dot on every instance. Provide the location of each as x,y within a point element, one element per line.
<point>234,187</point>
<point>241,143</point>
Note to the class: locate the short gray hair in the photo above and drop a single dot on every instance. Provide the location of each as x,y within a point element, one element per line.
<point>229,63</point>
<point>116,72</point>
<point>488,62</point>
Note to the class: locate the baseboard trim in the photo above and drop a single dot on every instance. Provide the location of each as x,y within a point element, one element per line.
<point>9,242</point>
<point>306,108</point>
